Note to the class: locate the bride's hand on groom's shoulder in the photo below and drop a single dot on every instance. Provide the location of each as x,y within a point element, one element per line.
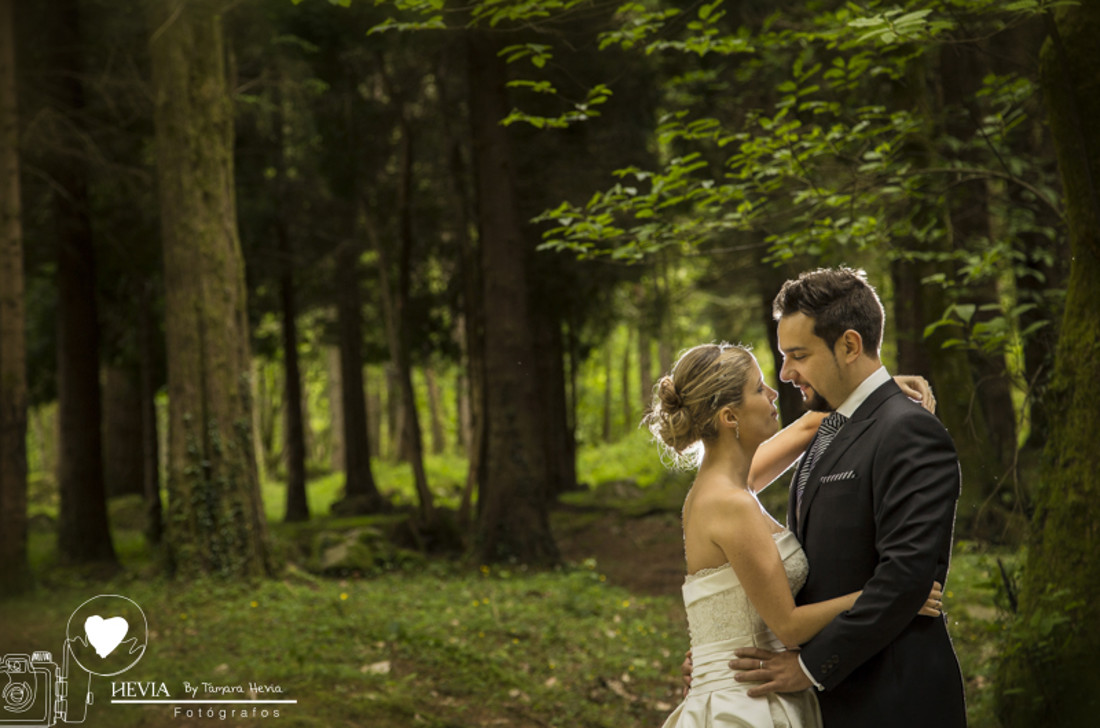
<point>917,389</point>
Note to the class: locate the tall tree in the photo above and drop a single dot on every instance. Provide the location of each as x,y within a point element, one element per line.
<point>360,491</point>
<point>1049,675</point>
<point>123,457</point>
<point>395,290</point>
<point>297,504</point>
<point>83,531</point>
<point>14,570</point>
<point>512,513</point>
<point>215,518</point>
<point>150,441</point>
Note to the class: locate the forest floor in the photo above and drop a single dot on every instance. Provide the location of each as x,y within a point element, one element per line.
<point>441,641</point>
<point>642,554</point>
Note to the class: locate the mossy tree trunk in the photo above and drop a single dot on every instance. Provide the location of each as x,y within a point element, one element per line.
<point>215,521</point>
<point>1049,676</point>
<point>513,519</point>
<point>14,571</point>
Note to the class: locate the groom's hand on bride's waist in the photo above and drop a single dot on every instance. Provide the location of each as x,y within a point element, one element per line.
<point>777,672</point>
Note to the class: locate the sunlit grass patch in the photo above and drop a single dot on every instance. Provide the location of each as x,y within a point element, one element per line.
<point>452,645</point>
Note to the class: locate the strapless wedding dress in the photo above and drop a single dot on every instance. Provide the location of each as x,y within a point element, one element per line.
<point>721,619</point>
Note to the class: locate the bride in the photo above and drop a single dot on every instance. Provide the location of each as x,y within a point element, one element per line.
<point>743,566</point>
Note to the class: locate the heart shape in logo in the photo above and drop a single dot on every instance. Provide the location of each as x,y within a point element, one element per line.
<point>105,634</point>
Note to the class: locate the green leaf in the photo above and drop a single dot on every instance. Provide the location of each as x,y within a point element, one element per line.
<point>706,10</point>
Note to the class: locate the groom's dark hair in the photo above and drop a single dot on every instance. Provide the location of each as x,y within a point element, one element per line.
<point>837,299</point>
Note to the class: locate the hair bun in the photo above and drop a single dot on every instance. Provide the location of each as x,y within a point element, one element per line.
<point>669,394</point>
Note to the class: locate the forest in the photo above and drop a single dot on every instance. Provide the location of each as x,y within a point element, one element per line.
<point>326,329</point>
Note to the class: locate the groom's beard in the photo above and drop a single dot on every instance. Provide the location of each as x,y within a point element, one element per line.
<point>817,403</point>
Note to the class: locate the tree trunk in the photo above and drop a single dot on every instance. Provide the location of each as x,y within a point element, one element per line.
<point>1050,677</point>
<point>336,408</point>
<point>993,415</point>
<point>439,441</point>
<point>150,444</point>
<point>948,368</point>
<point>666,325</point>
<point>462,406</point>
<point>375,407</point>
<point>646,380</point>
<point>396,299</point>
<point>561,461</point>
<point>123,459</point>
<point>83,531</point>
<point>909,319</point>
<point>396,447</point>
<point>956,405</point>
<point>470,323</point>
<point>513,520</point>
<point>360,492</point>
<point>624,372</point>
<point>14,569</point>
<point>297,506</point>
<point>770,278</point>
<point>1044,263</point>
<point>608,387</point>
<point>216,522</point>
<point>399,328</point>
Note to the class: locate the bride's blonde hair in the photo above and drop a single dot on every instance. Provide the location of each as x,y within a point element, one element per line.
<point>686,401</point>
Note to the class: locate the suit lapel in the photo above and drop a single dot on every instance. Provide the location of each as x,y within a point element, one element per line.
<point>861,420</point>
<point>843,440</point>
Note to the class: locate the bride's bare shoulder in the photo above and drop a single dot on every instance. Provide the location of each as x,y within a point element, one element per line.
<point>724,500</point>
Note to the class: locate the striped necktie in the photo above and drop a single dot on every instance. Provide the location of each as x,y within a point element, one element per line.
<point>825,434</point>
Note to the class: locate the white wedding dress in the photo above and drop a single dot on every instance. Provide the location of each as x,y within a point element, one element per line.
<point>721,619</point>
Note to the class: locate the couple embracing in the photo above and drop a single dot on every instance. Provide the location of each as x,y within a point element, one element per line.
<point>834,620</point>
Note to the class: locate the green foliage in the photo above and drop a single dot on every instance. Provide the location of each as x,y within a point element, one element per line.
<point>978,605</point>
<point>634,457</point>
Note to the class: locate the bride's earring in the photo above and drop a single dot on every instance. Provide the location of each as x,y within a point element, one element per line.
<point>737,429</point>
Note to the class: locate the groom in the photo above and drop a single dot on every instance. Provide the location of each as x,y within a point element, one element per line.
<point>874,510</point>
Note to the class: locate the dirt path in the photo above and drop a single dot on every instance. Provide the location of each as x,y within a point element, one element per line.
<point>643,554</point>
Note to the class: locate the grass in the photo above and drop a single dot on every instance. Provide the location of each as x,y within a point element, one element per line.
<point>437,642</point>
<point>446,476</point>
<point>436,646</point>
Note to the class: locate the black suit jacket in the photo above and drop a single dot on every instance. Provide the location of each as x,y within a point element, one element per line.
<point>878,514</point>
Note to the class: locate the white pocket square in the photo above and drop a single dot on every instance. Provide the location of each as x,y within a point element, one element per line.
<point>834,477</point>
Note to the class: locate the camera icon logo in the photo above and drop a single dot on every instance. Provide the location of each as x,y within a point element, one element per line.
<point>106,635</point>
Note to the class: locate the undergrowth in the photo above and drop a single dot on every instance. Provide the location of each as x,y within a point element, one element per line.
<point>432,642</point>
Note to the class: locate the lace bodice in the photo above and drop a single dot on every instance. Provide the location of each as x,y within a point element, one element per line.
<point>716,603</point>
